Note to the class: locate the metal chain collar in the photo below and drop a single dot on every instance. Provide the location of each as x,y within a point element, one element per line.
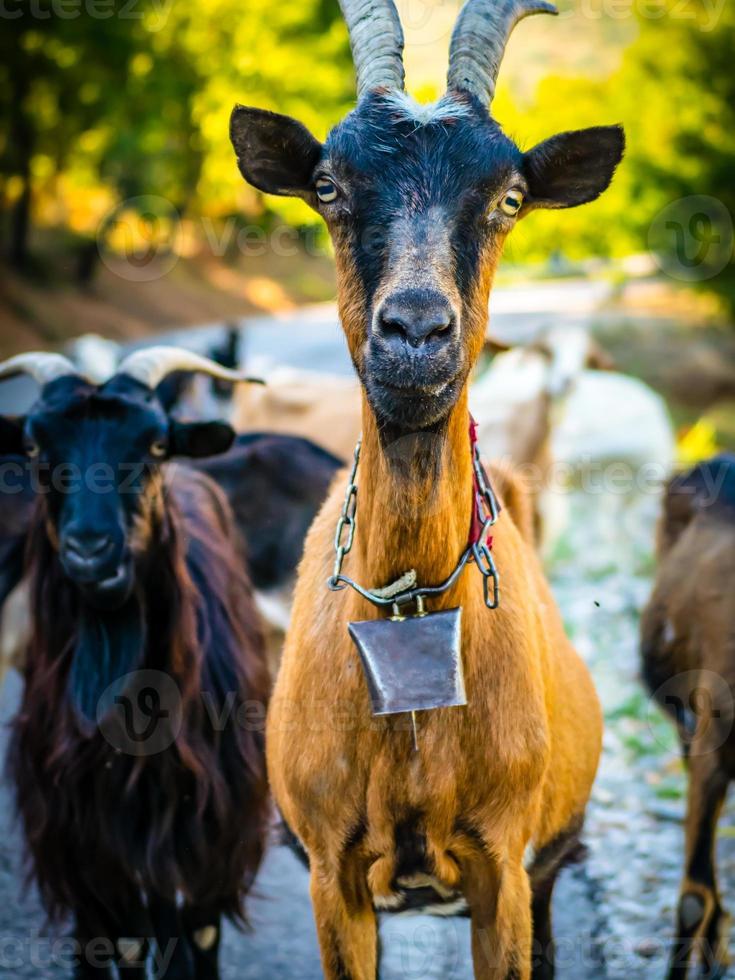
<point>479,551</point>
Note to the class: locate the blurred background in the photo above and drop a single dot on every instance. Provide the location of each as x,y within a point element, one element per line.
<point>122,214</point>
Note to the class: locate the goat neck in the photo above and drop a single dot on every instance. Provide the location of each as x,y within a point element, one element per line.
<point>414,500</point>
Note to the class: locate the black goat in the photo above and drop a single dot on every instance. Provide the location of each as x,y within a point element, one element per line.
<point>96,357</point>
<point>137,753</point>
<point>275,485</point>
<point>176,389</point>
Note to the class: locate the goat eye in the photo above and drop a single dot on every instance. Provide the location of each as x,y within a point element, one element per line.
<point>326,190</point>
<point>32,449</point>
<point>511,203</point>
<point>159,449</point>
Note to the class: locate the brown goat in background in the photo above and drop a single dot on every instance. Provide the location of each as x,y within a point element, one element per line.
<point>688,651</point>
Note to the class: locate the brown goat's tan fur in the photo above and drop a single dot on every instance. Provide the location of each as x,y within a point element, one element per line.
<point>513,768</point>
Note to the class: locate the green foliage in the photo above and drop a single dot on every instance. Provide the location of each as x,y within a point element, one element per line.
<point>140,104</point>
<point>683,105</point>
<point>55,81</point>
<point>291,57</point>
<point>123,106</point>
<point>674,92</point>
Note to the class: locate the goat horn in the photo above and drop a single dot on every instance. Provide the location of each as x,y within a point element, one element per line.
<point>42,366</point>
<point>152,364</point>
<point>479,39</point>
<point>376,38</point>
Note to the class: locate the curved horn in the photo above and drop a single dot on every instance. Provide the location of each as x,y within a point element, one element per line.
<point>152,364</point>
<point>376,38</point>
<point>42,366</point>
<point>479,39</point>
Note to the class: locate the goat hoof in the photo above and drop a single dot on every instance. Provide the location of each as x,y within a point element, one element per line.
<point>130,950</point>
<point>691,912</point>
<point>206,937</point>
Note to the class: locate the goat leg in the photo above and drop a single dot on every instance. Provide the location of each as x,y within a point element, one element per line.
<point>699,911</point>
<point>92,964</point>
<point>716,956</point>
<point>103,941</point>
<point>543,936</point>
<point>346,926</point>
<point>172,957</point>
<point>131,956</point>
<point>203,929</point>
<point>96,946</point>
<point>500,906</point>
<point>97,955</point>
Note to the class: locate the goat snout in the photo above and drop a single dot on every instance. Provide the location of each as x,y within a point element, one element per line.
<point>89,554</point>
<point>419,318</point>
<point>89,547</point>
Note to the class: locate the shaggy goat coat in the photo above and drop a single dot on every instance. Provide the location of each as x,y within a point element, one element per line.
<point>102,825</point>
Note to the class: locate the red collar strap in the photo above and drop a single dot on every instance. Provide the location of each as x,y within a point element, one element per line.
<point>481,507</point>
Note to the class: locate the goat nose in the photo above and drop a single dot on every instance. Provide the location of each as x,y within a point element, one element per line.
<point>87,547</point>
<point>415,321</point>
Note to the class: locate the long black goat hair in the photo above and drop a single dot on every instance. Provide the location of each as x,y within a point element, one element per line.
<point>186,820</point>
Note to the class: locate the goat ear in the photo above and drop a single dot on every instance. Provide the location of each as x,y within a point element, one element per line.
<point>11,436</point>
<point>275,153</point>
<point>197,439</point>
<point>573,168</point>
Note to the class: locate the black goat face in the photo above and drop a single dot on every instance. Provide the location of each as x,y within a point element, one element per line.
<point>96,454</point>
<point>418,201</point>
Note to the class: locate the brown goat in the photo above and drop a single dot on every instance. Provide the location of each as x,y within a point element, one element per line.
<point>688,651</point>
<point>483,810</point>
<point>514,767</point>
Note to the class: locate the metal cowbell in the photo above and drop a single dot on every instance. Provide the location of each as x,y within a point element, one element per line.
<point>412,663</point>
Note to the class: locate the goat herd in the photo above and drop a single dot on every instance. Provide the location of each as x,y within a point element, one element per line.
<point>432,736</point>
